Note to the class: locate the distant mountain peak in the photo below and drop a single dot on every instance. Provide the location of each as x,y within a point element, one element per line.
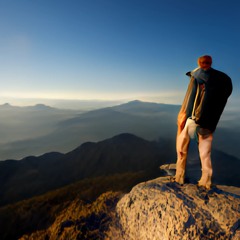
<point>41,106</point>
<point>6,105</point>
<point>126,136</point>
<point>38,106</point>
<point>136,101</point>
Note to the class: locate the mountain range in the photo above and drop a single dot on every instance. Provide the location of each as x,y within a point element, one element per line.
<point>34,190</point>
<point>39,129</point>
<point>20,123</point>
<point>29,131</point>
<point>123,153</point>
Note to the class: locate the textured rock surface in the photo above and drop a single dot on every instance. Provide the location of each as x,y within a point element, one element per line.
<point>159,209</point>
<point>81,221</point>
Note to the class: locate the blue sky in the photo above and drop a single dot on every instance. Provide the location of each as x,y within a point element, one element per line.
<point>113,49</point>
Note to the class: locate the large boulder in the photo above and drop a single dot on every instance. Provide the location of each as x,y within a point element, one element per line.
<point>162,210</point>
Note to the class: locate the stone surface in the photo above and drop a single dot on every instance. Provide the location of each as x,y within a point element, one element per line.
<point>162,210</point>
<point>170,169</point>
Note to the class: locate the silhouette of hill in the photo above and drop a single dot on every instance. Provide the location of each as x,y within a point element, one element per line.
<point>7,106</point>
<point>123,153</point>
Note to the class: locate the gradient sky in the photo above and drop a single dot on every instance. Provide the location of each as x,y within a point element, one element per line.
<point>113,49</point>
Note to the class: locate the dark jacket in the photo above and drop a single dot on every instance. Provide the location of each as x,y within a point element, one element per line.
<point>215,91</point>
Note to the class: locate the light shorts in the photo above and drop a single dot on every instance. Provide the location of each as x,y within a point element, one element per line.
<point>191,128</point>
<point>194,129</point>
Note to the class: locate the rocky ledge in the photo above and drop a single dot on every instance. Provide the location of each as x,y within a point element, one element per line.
<point>162,210</point>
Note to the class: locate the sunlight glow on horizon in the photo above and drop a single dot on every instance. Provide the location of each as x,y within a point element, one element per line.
<point>168,97</point>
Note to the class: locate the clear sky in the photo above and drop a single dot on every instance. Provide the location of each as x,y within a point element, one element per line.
<point>113,49</point>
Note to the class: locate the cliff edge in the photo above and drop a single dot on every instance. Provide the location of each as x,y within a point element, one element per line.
<point>161,210</point>
<point>153,210</point>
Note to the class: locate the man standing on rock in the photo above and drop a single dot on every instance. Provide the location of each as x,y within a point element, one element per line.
<point>202,107</point>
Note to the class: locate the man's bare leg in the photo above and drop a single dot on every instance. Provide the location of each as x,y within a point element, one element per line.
<point>183,140</point>
<point>204,147</point>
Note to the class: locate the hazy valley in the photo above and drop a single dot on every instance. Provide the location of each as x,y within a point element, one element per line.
<point>40,129</point>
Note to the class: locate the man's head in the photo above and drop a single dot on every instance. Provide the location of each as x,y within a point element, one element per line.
<point>205,62</point>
